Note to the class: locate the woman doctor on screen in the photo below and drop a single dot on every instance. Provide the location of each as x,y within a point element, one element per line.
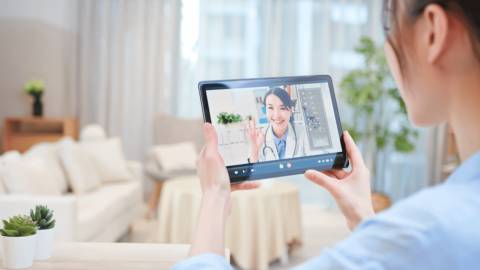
<point>281,139</point>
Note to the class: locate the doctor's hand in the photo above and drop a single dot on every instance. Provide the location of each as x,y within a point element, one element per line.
<point>216,204</point>
<point>256,138</point>
<point>351,190</point>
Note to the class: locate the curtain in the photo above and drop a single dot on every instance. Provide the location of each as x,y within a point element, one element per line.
<point>126,67</point>
<point>137,58</point>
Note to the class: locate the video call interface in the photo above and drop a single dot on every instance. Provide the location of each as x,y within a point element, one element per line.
<point>296,121</point>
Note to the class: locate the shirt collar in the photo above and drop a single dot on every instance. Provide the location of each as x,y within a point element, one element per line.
<point>467,171</point>
<point>277,140</point>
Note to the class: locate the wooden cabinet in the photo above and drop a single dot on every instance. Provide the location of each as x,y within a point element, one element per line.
<point>22,133</point>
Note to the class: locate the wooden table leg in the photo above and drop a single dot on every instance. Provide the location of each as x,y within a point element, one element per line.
<point>153,201</point>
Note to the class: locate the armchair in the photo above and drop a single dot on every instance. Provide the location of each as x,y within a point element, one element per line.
<point>169,129</point>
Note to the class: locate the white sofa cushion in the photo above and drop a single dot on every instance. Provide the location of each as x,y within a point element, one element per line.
<point>4,158</point>
<point>176,157</point>
<point>3,190</point>
<point>81,172</point>
<point>28,176</point>
<point>50,152</point>
<point>108,157</point>
<point>99,208</point>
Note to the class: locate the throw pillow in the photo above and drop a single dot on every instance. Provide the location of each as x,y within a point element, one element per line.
<point>50,152</point>
<point>28,176</point>
<point>3,158</point>
<point>108,157</point>
<point>176,157</point>
<point>81,172</point>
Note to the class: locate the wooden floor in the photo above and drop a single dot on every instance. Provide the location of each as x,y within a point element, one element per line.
<point>322,227</point>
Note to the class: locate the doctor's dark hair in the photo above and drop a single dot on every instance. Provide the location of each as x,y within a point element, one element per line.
<point>394,21</point>
<point>283,96</point>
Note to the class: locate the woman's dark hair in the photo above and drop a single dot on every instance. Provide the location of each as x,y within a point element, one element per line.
<point>469,10</point>
<point>283,96</point>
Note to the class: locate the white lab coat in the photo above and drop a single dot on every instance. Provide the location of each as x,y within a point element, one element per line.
<point>301,142</point>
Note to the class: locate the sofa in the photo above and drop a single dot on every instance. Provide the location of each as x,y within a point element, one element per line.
<point>100,214</point>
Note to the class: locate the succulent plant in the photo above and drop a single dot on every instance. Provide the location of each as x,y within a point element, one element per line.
<point>43,217</point>
<point>18,226</point>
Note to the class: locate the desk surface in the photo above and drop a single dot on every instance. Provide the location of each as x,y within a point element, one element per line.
<point>73,256</point>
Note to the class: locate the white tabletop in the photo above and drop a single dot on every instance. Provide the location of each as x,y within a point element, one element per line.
<point>76,256</point>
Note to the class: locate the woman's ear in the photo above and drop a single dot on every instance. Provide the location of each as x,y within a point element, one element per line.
<point>435,31</point>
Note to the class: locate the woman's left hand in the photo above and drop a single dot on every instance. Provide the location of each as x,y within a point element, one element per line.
<point>216,204</point>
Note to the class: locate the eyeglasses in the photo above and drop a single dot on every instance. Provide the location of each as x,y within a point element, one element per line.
<point>387,14</point>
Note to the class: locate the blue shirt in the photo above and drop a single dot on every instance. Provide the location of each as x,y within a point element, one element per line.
<point>281,143</point>
<point>436,228</point>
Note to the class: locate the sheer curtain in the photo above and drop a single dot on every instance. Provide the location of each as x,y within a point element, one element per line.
<point>127,55</point>
<point>252,38</point>
<point>138,58</point>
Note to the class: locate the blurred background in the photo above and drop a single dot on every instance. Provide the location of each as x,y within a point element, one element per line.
<point>129,69</point>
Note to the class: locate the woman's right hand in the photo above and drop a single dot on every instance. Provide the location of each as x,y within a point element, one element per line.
<point>256,138</point>
<point>351,190</point>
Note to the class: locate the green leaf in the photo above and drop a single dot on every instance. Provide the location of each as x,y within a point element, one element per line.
<point>32,214</point>
<point>49,216</point>
<point>26,230</point>
<point>49,225</point>
<point>44,212</point>
<point>3,232</point>
<point>14,226</point>
<point>12,233</point>
<point>6,225</point>
<point>42,222</point>
<point>38,215</point>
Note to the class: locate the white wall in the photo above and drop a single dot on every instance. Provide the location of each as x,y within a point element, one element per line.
<point>36,41</point>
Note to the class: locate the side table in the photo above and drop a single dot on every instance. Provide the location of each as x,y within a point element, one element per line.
<point>262,224</point>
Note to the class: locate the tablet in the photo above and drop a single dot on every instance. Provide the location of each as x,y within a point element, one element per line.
<point>273,127</point>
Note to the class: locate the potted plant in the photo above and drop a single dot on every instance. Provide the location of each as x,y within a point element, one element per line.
<point>375,100</point>
<point>18,242</point>
<point>35,89</point>
<point>231,121</point>
<point>46,229</point>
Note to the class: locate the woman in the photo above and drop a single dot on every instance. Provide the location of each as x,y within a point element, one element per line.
<point>433,50</point>
<point>281,138</point>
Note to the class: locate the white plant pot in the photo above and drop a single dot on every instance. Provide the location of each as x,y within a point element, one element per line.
<point>234,126</point>
<point>18,251</point>
<point>43,250</point>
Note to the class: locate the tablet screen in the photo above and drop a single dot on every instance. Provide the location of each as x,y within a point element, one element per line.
<point>275,128</point>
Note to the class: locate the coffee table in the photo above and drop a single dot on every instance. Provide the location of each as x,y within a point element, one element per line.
<point>76,256</point>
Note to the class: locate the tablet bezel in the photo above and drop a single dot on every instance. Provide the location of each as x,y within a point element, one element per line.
<point>339,162</point>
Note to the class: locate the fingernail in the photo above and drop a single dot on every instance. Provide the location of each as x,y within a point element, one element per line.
<point>309,174</point>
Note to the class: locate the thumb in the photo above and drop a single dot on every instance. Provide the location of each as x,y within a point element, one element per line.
<point>324,181</point>
<point>352,150</point>
<point>211,139</point>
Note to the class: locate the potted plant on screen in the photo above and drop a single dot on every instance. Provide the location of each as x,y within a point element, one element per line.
<point>231,121</point>
<point>18,242</point>
<point>35,89</point>
<point>46,230</point>
<point>379,114</point>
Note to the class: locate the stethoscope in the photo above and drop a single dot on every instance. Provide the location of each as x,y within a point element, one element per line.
<point>265,147</point>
